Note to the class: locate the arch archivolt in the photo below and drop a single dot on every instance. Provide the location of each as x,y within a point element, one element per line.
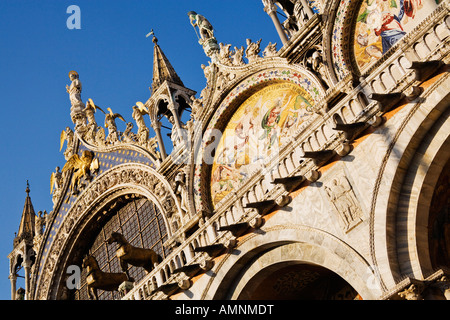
<point>415,200</point>
<point>394,228</point>
<point>289,244</point>
<point>338,37</point>
<point>130,178</point>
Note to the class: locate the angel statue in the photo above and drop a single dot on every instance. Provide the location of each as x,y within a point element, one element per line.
<point>110,124</point>
<point>89,111</point>
<point>139,110</point>
<point>67,135</point>
<point>83,167</point>
<point>56,182</point>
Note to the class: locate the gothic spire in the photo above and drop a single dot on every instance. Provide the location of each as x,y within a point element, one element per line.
<point>162,69</point>
<point>26,228</point>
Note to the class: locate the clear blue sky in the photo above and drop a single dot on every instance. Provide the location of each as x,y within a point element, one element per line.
<point>114,60</point>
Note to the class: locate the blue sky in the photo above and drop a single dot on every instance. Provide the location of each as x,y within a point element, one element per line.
<point>114,60</point>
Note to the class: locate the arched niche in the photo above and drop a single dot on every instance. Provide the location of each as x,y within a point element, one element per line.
<point>422,209</point>
<point>404,187</point>
<point>298,249</point>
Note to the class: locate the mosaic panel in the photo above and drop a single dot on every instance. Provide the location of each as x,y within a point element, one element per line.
<point>311,90</point>
<point>365,30</point>
<point>380,24</point>
<point>262,124</point>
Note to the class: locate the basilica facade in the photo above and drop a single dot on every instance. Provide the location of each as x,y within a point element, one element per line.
<point>314,169</point>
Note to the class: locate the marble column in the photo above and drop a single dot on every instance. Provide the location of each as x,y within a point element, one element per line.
<point>156,125</point>
<point>13,279</point>
<point>271,10</point>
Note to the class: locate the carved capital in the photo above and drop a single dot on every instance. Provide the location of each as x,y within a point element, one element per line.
<point>156,125</point>
<point>269,7</point>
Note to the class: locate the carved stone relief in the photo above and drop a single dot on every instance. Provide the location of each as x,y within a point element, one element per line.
<point>342,197</point>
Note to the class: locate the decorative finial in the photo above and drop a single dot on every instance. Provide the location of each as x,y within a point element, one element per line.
<point>27,190</point>
<point>152,33</point>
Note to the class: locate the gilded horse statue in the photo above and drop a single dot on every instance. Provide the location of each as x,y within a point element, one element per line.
<point>127,254</point>
<point>99,280</point>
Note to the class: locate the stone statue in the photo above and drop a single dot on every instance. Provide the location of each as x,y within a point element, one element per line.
<point>344,201</point>
<point>128,136</point>
<point>67,135</point>
<point>207,70</point>
<point>270,50</point>
<point>238,56</point>
<point>252,51</point>
<point>206,31</point>
<point>224,54</point>
<point>196,107</point>
<point>181,190</point>
<point>300,14</point>
<point>174,136</point>
<point>413,292</point>
<point>39,224</point>
<point>89,112</point>
<point>55,184</point>
<point>74,91</point>
<point>152,145</point>
<point>100,137</point>
<point>314,62</point>
<point>110,124</point>
<point>297,18</point>
<point>139,110</point>
<point>20,294</point>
